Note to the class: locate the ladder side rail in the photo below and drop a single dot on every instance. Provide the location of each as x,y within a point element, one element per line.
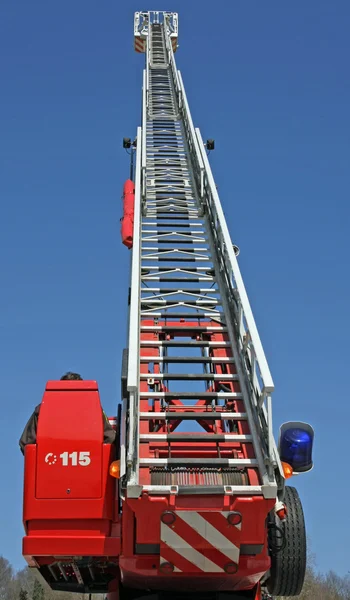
<point>144,147</point>
<point>261,445</point>
<point>264,411</point>
<point>191,138</point>
<point>175,72</point>
<point>134,326</point>
<point>260,396</point>
<point>259,436</point>
<point>147,69</point>
<point>123,429</point>
<point>251,328</point>
<point>201,165</point>
<point>195,141</point>
<point>227,301</point>
<point>262,438</point>
<point>265,416</point>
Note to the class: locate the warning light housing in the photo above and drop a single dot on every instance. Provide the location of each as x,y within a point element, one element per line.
<point>295,446</point>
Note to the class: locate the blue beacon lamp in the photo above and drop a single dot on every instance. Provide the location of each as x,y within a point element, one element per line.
<point>295,445</point>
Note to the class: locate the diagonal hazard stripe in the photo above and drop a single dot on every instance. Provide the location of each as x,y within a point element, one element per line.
<point>180,562</point>
<point>199,541</point>
<point>139,45</point>
<point>212,535</point>
<point>177,543</point>
<point>219,521</point>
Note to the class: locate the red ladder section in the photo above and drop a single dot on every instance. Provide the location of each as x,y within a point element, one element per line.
<point>220,452</point>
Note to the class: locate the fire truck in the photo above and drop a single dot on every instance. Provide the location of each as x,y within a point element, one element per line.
<point>191,500</point>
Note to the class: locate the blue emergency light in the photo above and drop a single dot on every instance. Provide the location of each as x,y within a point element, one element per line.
<point>295,445</point>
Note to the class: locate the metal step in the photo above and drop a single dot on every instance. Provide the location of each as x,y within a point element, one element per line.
<point>189,376</point>
<point>177,259</point>
<point>166,314</point>
<point>201,270</point>
<point>185,302</point>
<point>194,437</point>
<point>184,344</point>
<point>191,395</point>
<point>166,290</point>
<point>186,359</point>
<point>177,279</point>
<point>227,462</point>
<point>184,329</point>
<point>194,416</point>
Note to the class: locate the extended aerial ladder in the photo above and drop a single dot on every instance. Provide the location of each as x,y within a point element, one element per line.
<point>189,308</point>
<point>201,503</point>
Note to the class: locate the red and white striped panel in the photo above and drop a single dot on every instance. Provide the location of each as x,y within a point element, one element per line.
<point>199,542</point>
<point>140,44</point>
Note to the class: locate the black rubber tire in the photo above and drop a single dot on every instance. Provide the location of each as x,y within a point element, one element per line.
<point>288,566</point>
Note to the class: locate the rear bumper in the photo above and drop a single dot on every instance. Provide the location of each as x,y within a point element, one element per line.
<point>40,546</point>
<point>143,572</point>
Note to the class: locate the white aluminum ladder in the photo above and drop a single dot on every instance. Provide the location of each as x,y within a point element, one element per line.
<point>194,354</point>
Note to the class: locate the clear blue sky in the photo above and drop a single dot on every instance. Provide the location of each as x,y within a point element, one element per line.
<point>270,82</point>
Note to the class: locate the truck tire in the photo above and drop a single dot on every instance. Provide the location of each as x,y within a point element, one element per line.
<point>287,546</point>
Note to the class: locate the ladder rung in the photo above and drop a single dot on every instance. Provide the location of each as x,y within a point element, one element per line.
<point>192,376</point>
<point>174,250</point>
<point>174,217</point>
<point>187,234</point>
<point>185,344</point>
<point>151,312</point>
<point>176,259</point>
<point>184,225</point>
<point>160,241</point>
<point>228,462</point>
<point>194,437</point>
<point>177,279</point>
<point>170,290</point>
<point>182,302</point>
<point>179,269</point>
<point>183,329</point>
<point>191,395</point>
<point>194,416</point>
<point>186,359</point>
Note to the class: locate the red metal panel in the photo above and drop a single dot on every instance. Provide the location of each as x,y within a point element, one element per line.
<point>74,524</point>
<point>142,523</point>
<point>63,508</point>
<point>127,221</point>
<point>206,331</point>
<point>69,454</point>
<point>70,546</point>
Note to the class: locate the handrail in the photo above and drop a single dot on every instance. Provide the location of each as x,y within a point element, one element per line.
<point>247,329</point>
<point>192,138</point>
<point>147,69</point>
<point>268,385</point>
<point>174,70</point>
<point>134,328</point>
<point>247,335</point>
<point>143,153</point>
<point>204,166</point>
